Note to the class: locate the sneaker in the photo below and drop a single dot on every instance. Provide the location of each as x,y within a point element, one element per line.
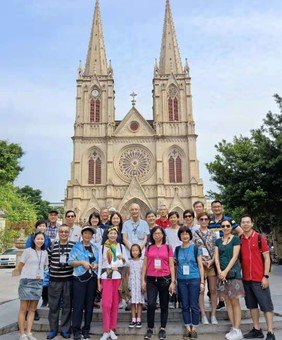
<point>270,336</point>
<point>205,320</point>
<point>162,334</point>
<point>193,334</point>
<point>227,335</point>
<point>31,337</point>
<point>113,335</point>
<point>149,334</point>
<point>138,324</point>
<point>254,333</point>
<point>105,336</point>
<point>77,337</point>
<point>236,334</point>
<point>86,336</point>
<point>132,324</point>
<point>23,337</point>
<point>187,332</point>
<point>51,335</point>
<point>220,305</point>
<point>65,335</point>
<point>214,320</point>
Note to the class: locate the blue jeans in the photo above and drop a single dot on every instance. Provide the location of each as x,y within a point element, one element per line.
<point>189,291</point>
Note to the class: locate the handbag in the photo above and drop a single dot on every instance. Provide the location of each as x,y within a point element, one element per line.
<point>231,275</point>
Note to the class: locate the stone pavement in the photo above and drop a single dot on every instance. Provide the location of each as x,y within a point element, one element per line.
<point>9,307</point>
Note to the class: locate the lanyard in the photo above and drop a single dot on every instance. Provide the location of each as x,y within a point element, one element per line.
<point>64,247</point>
<point>39,259</point>
<point>135,227</point>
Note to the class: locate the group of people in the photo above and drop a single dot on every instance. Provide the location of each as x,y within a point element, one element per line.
<point>152,261</point>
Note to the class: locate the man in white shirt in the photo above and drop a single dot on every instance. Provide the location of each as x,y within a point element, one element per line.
<point>75,230</point>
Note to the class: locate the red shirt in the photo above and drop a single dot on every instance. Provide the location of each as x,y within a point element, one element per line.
<point>162,255</point>
<point>162,223</point>
<point>251,257</point>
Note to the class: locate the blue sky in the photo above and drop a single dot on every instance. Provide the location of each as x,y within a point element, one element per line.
<point>233,48</point>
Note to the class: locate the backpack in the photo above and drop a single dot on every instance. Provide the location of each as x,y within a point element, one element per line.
<point>195,253</point>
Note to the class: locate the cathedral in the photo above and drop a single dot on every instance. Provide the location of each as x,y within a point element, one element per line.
<point>149,162</point>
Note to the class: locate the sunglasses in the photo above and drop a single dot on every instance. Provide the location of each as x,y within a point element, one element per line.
<point>225,226</point>
<point>70,216</point>
<point>204,219</point>
<point>187,216</point>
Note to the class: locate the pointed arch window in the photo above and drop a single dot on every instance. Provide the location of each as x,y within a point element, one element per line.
<point>175,167</point>
<point>95,169</point>
<point>95,116</point>
<point>173,115</point>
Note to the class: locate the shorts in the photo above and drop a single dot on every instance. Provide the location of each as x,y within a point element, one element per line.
<point>30,289</point>
<point>209,271</point>
<point>255,295</point>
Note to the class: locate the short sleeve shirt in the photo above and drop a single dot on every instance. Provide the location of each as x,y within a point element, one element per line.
<point>35,263</point>
<point>225,252</point>
<point>135,231</point>
<point>162,254</point>
<point>172,237</point>
<point>186,257</point>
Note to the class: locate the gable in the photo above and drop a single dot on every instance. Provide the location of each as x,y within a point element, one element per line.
<point>134,125</point>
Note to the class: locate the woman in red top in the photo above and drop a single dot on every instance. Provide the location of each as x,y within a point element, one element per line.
<point>158,277</point>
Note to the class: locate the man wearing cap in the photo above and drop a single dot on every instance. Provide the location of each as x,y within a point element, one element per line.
<point>84,258</point>
<point>75,230</point>
<point>52,225</point>
<point>60,286</point>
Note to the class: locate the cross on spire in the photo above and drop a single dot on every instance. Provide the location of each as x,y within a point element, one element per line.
<point>133,95</point>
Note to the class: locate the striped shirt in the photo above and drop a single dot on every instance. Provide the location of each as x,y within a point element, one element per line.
<point>58,261</point>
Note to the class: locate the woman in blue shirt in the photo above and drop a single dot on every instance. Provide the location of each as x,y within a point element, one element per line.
<point>84,258</point>
<point>190,280</point>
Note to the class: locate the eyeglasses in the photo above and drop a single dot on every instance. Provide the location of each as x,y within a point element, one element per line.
<point>225,226</point>
<point>204,219</point>
<point>187,216</point>
<point>70,216</point>
<point>64,232</point>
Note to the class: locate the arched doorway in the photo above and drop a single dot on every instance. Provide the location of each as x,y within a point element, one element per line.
<point>125,209</point>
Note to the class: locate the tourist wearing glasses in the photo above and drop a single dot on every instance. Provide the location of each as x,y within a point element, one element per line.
<point>205,239</point>
<point>158,277</point>
<point>230,286</point>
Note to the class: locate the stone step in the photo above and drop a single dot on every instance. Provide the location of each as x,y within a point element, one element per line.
<point>174,315</point>
<point>173,328</point>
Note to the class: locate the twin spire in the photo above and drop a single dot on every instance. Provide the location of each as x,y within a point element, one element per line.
<point>96,62</point>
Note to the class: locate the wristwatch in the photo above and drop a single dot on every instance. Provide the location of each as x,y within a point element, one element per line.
<point>266,276</point>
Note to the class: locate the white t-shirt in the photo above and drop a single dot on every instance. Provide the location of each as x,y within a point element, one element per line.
<point>75,233</point>
<point>172,238</point>
<point>35,263</point>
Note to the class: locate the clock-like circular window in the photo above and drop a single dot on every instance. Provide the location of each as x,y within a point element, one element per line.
<point>134,126</point>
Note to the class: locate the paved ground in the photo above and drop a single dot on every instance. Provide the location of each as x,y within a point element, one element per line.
<point>9,305</point>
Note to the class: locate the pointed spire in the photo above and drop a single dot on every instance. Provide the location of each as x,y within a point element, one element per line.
<point>96,62</point>
<point>170,61</point>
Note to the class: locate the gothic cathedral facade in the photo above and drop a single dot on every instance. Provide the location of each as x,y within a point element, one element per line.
<point>150,162</point>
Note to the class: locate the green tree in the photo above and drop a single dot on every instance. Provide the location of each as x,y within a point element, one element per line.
<point>34,196</point>
<point>248,172</point>
<point>9,162</point>
<point>19,211</point>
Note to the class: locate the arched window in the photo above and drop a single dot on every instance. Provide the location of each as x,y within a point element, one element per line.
<point>173,115</point>
<point>95,169</point>
<point>174,167</point>
<point>95,110</point>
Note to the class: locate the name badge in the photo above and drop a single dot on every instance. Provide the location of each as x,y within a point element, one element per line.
<point>157,263</point>
<point>205,251</point>
<point>38,274</point>
<point>63,259</point>
<point>186,270</point>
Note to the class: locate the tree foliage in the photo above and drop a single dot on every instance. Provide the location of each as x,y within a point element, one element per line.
<point>248,171</point>
<point>9,162</point>
<point>34,196</point>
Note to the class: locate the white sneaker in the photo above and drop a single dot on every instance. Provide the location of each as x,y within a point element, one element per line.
<point>205,320</point>
<point>227,335</point>
<point>113,335</point>
<point>23,337</point>
<point>214,320</point>
<point>105,336</point>
<point>236,335</point>
<point>31,337</point>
